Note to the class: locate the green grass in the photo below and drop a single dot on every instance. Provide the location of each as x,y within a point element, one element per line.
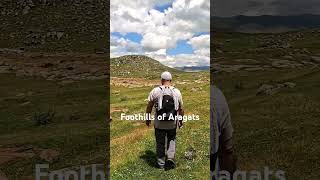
<point>133,144</point>
<point>80,141</point>
<point>279,131</point>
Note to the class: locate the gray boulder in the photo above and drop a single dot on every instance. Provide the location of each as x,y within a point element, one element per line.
<point>190,153</point>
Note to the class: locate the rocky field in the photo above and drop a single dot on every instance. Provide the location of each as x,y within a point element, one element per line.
<point>54,25</point>
<point>271,82</point>
<point>235,52</point>
<point>55,67</point>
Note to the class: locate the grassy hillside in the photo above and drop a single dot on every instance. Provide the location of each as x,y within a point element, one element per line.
<point>280,129</point>
<point>263,46</point>
<point>133,144</point>
<point>137,66</point>
<point>77,131</point>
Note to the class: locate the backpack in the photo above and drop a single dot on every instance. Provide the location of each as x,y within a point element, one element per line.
<point>167,105</point>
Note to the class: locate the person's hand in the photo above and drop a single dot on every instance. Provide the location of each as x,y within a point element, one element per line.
<point>148,122</point>
<point>180,124</point>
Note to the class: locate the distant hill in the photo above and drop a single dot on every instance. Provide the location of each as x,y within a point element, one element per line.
<point>193,68</point>
<point>54,25</point>
<point>266,23</point>
<point>137,66</point>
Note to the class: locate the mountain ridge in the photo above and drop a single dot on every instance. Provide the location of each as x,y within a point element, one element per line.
<point>138,66</point>
<point>266,23</point>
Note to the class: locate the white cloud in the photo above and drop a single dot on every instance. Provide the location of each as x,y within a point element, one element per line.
<point>202,41</point>
<point>153,42</point>
<point>162,30</point>
<point>194,12</point>
<point>121,46</point>
<point>181,59</point>
<point>201,45</point>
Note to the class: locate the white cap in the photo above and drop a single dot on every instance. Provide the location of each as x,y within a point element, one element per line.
<point>166,76</point>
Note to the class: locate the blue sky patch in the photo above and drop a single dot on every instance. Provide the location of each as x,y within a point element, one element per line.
<point>117,34</point>
<point>163,7</point>
<point>201,33</point>
<point>134,37</point>
<point>181,48</point>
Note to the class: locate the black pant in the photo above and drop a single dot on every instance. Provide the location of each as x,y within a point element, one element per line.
<point>161,136</point>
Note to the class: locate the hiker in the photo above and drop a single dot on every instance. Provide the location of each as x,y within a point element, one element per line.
<point>167,101</point>
<point>221,151</point>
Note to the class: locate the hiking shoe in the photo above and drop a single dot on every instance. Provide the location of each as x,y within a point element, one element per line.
<point>161,166</point>
<point>170,164</point>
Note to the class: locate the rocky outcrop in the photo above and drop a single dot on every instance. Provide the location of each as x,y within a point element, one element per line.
<point>267,89</point>
<point>255,65</point>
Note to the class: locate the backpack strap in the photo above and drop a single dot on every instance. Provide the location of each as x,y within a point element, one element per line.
<point>160,99</point>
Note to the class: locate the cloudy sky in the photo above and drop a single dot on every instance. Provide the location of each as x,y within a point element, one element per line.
<point>228,8</point>
<point>175,32</point>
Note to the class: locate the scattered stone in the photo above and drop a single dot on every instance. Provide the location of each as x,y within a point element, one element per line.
<point>26,10</point>
<point>307,63</point>
<point>219,51</point>
<point>289,84</point>
<point>8,50</point>
<point>49,155</point>
<point>196,89</point>
<point>267,89</point>
<point>288,57</point>
<point>59,35</point>
<point>25,103</point>
<point>116,93</point>
<point>190,153</point>
<point>279,63</point>
<point>315,59</point>
<point>19,95</point>
<point>124,110</point>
